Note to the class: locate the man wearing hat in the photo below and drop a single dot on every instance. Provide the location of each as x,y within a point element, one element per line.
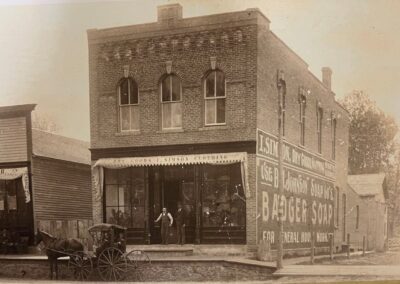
<point>180,224</point>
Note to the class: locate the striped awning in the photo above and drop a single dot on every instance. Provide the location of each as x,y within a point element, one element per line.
<point>212,158</point>
<point>218,158</point>
<point>14,173</point>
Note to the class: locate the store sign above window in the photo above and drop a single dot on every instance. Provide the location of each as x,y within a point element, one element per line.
<point>293,156</point>
<point>220,158</point>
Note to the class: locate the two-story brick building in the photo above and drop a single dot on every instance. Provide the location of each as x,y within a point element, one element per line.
<point>186,110</point>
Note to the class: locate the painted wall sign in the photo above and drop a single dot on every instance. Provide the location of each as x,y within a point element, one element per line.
<point>307,201</point>
<point>267,146</point>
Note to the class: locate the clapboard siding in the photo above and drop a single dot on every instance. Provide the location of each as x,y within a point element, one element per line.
<point>13,140</point>
<point>61,189</point>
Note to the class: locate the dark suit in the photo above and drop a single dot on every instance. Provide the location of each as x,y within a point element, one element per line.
<point>180,225</point>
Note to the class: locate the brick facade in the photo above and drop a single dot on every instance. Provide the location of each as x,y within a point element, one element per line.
<point>245,50</point>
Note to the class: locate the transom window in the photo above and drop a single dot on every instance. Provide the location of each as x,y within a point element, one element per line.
<point>214,95</point>
<point>128,104</point>
<point>171,102</point>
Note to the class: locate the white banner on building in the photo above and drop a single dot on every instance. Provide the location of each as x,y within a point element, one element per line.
<point>214,159</point>
<point>14,173</point>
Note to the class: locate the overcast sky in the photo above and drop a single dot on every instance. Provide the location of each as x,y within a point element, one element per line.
<point>44,58</point>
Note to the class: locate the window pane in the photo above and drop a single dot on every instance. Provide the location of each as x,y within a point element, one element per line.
<point>123,195</point>
<point>111,195</point>
<point>220,110</point>
<point>210,85</point>
<point>176,112</point>
<point>166,115</point>
<point>11,195</point>
<point>125,218</point>
<point>125,119</point>
<point>112,214</point>
<point>176,89</point>
<point>134,117</point>
<point>220,84</point>
<point>111,176</point>
<point>138,217</point>
<point>134,98</point>
<point>124,176</point>
<point>210,111</point>
<point>166,89</point>
<point>124,98</point>
<point>2,195</point>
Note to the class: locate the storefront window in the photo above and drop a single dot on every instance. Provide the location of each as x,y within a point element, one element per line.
<point>223,200</point>
<point>124,197</point>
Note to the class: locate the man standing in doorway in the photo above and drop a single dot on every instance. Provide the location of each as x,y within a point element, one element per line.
<point>180,224</point>
<point>166,222</point>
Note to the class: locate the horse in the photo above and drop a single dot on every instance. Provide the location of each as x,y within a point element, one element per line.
<point>56,248</point>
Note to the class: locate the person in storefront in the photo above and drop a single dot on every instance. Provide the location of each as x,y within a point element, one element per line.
<point>180,220</point>
<point>166,222</point>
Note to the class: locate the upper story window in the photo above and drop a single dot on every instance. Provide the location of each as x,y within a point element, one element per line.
<point>128,104</point>
<point>333,122</point>
<point>302,118</point>
<point>171,102</point>
<point>320,113</point>
<point>282,108</point>
<point>214,95</point>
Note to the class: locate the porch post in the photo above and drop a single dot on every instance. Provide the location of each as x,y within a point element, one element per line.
<point>146,207</point>
<point>197,182</point>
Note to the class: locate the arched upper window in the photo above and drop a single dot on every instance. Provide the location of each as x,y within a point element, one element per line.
<point>302,118</point>
<point>171,102</point>
<point>128,93</point>
<point>320,114</point>
<point>214,95</point>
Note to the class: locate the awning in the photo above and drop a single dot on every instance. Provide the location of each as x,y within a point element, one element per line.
<point>213,159</point>
<point>14,173</point>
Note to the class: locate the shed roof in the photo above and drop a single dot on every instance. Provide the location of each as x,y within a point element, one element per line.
<point>367,184</point>
<point>59,147</point>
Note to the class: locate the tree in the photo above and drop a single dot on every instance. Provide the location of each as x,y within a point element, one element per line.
<point>372,135</point>
<point>44,122</point>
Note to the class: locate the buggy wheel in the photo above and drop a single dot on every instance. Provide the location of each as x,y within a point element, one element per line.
<point>80,264</point>
<point>137,261</point>
<point>112,265</point>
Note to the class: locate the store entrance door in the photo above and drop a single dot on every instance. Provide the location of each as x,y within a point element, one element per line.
<point>171,185</point>
<point>172,196</point>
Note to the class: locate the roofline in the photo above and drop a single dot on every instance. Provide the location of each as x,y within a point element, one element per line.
<point>290,49</point>
<point>143,30</point>
<point>62,161</point>
<point>25,108</point>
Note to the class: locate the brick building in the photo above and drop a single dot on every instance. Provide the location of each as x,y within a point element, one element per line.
<point>186,110</point>
<point>44,179</point>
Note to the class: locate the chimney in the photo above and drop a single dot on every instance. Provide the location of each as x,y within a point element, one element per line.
<point>169,13</point>
<point>327,77</point>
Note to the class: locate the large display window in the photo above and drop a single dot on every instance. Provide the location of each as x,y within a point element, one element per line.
<point>125,197</point>
<point>223,199</point>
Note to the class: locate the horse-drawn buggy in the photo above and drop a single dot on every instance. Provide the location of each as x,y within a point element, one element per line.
<point>109,256</point>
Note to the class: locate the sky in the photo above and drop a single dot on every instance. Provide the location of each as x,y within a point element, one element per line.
<point>44,53</point>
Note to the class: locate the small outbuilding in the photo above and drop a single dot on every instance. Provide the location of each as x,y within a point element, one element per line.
<point>367,211</point>
<point>44,179</point>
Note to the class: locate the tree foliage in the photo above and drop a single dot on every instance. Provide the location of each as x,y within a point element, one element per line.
<point>371,136</point>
